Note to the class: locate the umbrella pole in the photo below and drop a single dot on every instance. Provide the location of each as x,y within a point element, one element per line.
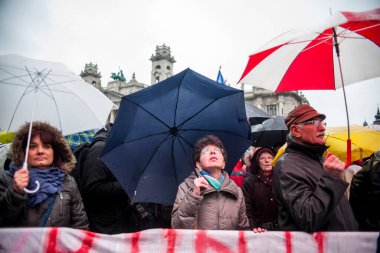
<point>25,164</point>
<point>336,44</point>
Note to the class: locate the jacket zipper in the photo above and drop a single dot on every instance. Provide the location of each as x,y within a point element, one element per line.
<point>217,205</point>
<point>61,197</point>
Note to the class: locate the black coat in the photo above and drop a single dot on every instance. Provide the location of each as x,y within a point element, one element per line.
<point>260,205</point>
<point>365,196</point>
<point>68,210</point>
<point>107,205</point>
<point>310,199</point>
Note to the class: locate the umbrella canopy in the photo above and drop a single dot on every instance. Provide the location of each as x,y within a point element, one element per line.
<point>343,50</point>
<point>365,141</point>
<point>307,59</point>
<point>271,133</point>
<point>76,139</point>
<point>61,97</point>
<point>6,137</point>
<point>151,143</point>
<point>254,114</point>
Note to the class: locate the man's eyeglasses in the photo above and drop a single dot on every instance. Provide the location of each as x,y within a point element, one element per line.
<point>315,122</point>
<point>209,150</point>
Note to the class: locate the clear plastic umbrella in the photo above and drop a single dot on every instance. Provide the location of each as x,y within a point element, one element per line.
<point>48,91</point>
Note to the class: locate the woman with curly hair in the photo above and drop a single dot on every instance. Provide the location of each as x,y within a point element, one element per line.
<point>57,203</point>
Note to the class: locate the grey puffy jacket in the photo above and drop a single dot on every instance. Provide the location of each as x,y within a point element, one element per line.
<point>223,209</point>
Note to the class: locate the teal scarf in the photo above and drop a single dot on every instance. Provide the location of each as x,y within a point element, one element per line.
<point>216,183</point>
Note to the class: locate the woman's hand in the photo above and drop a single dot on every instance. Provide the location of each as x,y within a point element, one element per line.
<point>21,180</point>
<point>200,184</point>
<point>259,230</point>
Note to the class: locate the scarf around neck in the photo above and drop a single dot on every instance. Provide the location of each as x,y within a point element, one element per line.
<point>50,179</point>
<point>216,183</point>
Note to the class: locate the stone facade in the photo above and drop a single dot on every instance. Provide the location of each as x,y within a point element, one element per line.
<point>162,68</point>
<point>91,75</point>
<point>376,122</point>
<point>162,64</point>
<point>274,104</point>
<point>116,89</point>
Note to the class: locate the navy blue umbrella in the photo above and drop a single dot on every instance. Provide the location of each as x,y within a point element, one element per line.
<point>151,143</point>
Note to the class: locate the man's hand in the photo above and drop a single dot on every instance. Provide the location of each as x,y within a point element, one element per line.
<point>200,184</point>
<point>21,180</point>
<point>333,165</point>
<point>259,230</point>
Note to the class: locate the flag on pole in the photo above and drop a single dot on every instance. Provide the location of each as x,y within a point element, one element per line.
<point>220,78</point>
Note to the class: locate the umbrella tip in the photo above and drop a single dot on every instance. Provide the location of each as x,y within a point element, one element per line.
<point>174,131</point>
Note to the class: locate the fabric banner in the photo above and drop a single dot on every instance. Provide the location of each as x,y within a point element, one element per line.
<point>175,240</point>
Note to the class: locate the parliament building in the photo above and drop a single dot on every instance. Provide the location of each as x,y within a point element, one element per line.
<point>162,68</point>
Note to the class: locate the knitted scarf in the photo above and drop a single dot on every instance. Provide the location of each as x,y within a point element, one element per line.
<point>50,179</point>
<point>216,183</point>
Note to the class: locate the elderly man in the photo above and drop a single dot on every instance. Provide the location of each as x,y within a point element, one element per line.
<point>309,189</point>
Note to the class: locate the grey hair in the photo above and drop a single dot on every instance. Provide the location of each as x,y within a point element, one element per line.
<point>292,137</point>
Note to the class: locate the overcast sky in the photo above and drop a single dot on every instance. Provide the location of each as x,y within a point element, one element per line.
<point>202,35</point>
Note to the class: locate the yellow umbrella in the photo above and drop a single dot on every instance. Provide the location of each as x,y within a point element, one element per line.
<point>6,137</point>
<point>364,142</point>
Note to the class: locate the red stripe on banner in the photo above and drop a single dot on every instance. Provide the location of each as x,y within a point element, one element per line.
<point>135,237</point>
<point>171,236</point>
<point>51,245</point>
<point>51,242</point>
<point>202,242</point>
<point>87,242</point>
<point>255,59</point>
<point>319,238</point>
<point>242,242</point>
<point>313,67</point>
<point>288,241</point>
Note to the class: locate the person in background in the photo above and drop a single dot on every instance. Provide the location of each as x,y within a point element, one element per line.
<point>309,189</point>
<point>210,200</point>
<point>57,203</point>
<point>108,206</point>
<point>365,194</point>
<point>349,172</point>
<point>239,173</point>
<point>261,207</point>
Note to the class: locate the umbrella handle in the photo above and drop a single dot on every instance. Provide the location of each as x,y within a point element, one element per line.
<point>33,191</point>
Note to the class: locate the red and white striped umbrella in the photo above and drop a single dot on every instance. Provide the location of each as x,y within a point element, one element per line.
<point>344,50</point>
<point>300,60</point>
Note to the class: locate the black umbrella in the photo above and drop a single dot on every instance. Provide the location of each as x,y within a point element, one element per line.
<point>151,143</point>
<point>271,133</point>
<point>255,115</point>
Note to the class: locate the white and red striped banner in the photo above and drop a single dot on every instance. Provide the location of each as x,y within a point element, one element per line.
<point>174,240</point>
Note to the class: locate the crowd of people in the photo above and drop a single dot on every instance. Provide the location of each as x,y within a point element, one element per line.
<point>305,190</point>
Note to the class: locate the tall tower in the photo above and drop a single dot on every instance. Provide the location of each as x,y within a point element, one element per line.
<point>377,117</point>
<point>91,74</point>
<point>162,64</point>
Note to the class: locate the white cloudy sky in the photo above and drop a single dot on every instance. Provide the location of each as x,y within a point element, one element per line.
<point>202,34</point>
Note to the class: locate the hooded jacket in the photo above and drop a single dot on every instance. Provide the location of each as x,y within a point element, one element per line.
<point>222,210</point>
<point>108,206</point>
<point>310,199</point>
<point>67,211</point>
